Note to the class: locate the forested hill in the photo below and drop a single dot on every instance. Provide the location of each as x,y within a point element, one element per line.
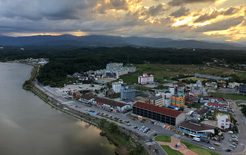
<point>112,41</point>
<point>63,62</point>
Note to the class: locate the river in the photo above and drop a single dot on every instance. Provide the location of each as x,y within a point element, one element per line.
<point>28,126</point>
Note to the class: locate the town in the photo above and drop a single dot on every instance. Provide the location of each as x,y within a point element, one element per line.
<point>179,111</point>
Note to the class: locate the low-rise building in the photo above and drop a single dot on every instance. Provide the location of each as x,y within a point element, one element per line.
<point>127,93</point>
<point>161,114</point>
<point>178,100</point>
<point>116,86</point>
<point>167,98</point>
<point>146,79</point>
<point>196,129</point>
<point>221,84</point>
<point>211,85</point>
<point>242,88</point>
<point>197,89</point>
<point>200,113</point>
<point>233,85</point>
<point>207,76</point>
<point>107,104</point>
<point>156,100</point>
<point>224,121</point>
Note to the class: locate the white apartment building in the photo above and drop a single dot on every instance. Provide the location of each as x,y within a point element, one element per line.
<point>116,86</point>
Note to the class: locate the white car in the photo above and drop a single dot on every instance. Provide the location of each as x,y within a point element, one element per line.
<point>211,148</point>
<point>231,132</point>
<point>196,139</point>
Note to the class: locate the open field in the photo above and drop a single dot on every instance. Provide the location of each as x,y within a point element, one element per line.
<point>163,138</point>
<point>230,96</point>
<point>170,151</point>
<point>198,150</point>
<point>163,71</point>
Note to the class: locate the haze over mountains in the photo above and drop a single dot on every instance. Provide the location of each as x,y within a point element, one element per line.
<point>112,41</point>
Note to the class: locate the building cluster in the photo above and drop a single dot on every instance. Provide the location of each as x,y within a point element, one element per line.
<point>212,77</point>
<point>38,61</point>
<point>114,70</point>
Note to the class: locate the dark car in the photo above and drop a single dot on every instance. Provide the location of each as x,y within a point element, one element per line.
<point>228,150</point>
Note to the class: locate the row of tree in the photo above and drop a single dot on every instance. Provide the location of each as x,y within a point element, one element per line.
<point>63,62</point>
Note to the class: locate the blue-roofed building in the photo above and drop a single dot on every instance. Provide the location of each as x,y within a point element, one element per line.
<point>196,129</point>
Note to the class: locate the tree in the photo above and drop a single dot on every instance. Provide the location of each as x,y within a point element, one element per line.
<point>102,123</point>
<point>137,150</point>
<point>216,131</point>
<point>244,110</point>
<point>113,127</point>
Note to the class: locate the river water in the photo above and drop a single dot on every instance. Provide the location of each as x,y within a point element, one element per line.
<point>28,126</point>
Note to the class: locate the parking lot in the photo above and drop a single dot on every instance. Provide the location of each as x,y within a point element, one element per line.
<point>144,129</point>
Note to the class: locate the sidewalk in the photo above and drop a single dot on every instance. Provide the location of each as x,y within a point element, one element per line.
<point>181,149</point>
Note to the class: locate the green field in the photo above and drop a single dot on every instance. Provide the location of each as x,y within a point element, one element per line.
<point>230,96</point>
<point>163,71</point>
<point>163,138</point>
<point>170,151</point>
<point>198,150</point>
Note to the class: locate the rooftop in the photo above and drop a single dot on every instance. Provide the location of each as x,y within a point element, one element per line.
<point>217,105</point>
<point>201,111</point>
<point>195,126</point>
<point>103,100</point>
<point>161,110</point>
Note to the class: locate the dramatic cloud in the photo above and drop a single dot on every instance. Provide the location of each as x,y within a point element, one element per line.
<point>156,10</point>
<point>183,2</point>
<point>216,13</point>
<point>177,19</point>
<point>221,25</point>
<point>180,12</point>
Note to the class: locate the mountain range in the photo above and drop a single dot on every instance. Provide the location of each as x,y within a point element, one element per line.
<point>112,41</point>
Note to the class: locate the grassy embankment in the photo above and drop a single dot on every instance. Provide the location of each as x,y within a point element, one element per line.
<point>124,142</point>
<point>198,150</point>
<point>28,83</point>
<point>163,71</point>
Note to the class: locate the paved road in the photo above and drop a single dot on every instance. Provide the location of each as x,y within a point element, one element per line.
<point>242,128</point>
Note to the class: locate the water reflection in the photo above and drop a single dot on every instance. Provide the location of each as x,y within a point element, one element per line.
<point>28,126</point>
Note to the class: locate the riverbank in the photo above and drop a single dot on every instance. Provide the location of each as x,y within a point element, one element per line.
<point>122,139</point>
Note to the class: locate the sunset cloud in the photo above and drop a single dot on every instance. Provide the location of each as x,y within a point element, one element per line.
<point>177,19</point>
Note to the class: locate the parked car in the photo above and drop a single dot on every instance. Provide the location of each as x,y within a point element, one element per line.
<point>230,132</point>
<point>228,150</point>
<point>217,144</point>
<point>232,146</point>
<point>196,139</point>
<point>214,138</point>
<point>234,136</point>
<point>211,148</point>
<point>235,144</point>
<point>206,140</point>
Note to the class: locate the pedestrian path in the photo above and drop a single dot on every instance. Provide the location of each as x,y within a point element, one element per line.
<point>181,148</point>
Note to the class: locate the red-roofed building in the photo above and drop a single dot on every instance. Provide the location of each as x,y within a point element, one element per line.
<point>146,79</point>
<point>216,105</point>
<point>162,114</point>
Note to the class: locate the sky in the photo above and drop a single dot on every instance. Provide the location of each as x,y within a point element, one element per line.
<point>211,20</point>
